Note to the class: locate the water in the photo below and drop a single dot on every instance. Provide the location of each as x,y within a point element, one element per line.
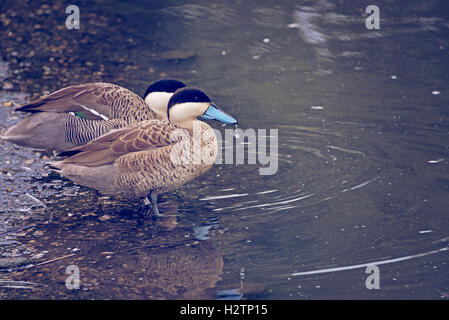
<point>363,164</point>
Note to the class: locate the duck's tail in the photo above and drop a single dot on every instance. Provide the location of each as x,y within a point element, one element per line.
<point>55,166</point>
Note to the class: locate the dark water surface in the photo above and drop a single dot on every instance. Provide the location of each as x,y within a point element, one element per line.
<point>363,163</point>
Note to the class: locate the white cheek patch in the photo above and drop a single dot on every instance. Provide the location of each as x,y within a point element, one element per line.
<point>188,110</point>
<point>158,101</point>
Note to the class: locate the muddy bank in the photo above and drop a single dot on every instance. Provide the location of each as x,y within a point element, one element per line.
<point>39,55</point>
<point>43,55</point>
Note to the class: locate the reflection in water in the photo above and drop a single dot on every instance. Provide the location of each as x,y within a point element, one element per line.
<point>193,13</point>
<point>318,25</point>
<point>118,259</point>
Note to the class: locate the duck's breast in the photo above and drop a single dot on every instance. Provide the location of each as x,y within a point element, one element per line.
<point>171,166</point>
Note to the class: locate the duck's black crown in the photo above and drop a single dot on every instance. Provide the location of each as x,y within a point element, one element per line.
<point>187,95</point>
<point>164,85</point>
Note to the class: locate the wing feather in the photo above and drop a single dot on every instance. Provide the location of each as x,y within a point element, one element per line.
<point>96,101</point>
<point>147,135</point>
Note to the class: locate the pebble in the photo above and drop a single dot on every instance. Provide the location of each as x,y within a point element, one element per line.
<point>38,255</point>
<point>38,233</point>
<point>7,85</point>
<point>105,217</point>
<point>28,162</point>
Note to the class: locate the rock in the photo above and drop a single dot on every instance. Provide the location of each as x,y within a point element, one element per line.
<point>28,162</point>
<point>12,262</point>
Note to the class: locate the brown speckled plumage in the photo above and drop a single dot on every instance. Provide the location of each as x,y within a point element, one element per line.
<point>75,115</point>
<point>108,99</point>
<point>132,161</point>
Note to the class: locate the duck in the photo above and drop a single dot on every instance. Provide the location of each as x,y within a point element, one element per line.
<point>74,115</point>
<point>150,157</point>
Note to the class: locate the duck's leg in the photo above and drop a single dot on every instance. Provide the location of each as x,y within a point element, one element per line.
<point>153,200</point>
<point>149,204</point>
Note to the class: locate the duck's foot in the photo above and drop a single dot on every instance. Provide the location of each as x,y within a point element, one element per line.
<point>146,208</point>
